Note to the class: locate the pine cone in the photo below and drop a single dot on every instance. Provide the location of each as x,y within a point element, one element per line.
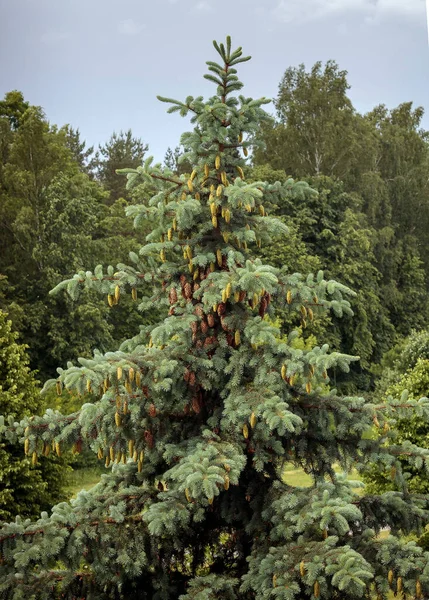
<point>211,339</point>
<point>211,320</point>
<point>242,296</point>
<point>152,410</point>
<point>171,311</point>
<point>230,339</point>
<point>194,327</point>
<point>173,295</point>
<point>221,309</point>
<point>149,439</point>
<point>196,404</point>
<point>263,305</point>
<point>182,280</point>
<point>187,291</point>
<point>186,375</point>
<point>204,327</point>
<point>191,379</point>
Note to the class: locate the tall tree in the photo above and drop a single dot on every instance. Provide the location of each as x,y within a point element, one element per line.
<point>176,161</point>
<point>318,130</point>
<point>402,161</point>
<point>13,107</point>
<point>210,405</point>
<point>122,150</point>
<point>81,154</point>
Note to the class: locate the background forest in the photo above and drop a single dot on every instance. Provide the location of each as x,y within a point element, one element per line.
<point>62,209</point>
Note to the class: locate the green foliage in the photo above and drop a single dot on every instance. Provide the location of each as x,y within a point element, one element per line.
<point>55,221</point>
<point>173,160</point>
<point>330,232</point>
<point>122,150</point>
<point>318,131</point>
<point>405,367</point>
<point>13,108</point>
<point>370,228</point>
<point>201,412</point>
<point>81,155</point>
<point>25,490</point>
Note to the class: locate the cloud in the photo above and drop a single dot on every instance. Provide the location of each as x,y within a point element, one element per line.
<point>55,37</point>
<point>130,27</point>
<point>410,7</point>
<point>203,6</point>
<point>305,10</point>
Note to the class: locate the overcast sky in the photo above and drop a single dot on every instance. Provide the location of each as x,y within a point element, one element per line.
<point>99,64</point>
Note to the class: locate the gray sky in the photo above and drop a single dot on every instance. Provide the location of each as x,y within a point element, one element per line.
<point>99,64</point>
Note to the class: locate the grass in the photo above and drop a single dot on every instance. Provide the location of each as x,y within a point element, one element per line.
<point>82,479</point>
<point>297,477</point>
<point>85,479</point>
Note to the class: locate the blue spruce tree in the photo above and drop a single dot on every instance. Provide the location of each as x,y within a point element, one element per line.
<point>198,416</point>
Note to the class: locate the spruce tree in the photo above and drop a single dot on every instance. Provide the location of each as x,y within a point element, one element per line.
<point>197,417</point>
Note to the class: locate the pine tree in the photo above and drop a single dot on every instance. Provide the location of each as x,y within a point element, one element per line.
<point>82,155</point>
<point>197,417</point>
<point>122,150</point>
<point>173,161</point>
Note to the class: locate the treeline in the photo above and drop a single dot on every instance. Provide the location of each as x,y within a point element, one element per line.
<point>368,225</point>
<point>62,210</point>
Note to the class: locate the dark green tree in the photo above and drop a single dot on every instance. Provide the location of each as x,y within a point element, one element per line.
<point>175,161</point>
<point>402,161</point>
<point>210,405</point>
<point>318,130</point>
<point>82,155</point>
<point>54,220</point>
<point>25,489</point>
<point>13,107</point>
<point>122,150</point>
<point>381,157</point>
<point>334,232</point>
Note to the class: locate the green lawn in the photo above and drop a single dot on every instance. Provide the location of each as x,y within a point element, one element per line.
<point>82,479</point>
<point>297,477</point>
